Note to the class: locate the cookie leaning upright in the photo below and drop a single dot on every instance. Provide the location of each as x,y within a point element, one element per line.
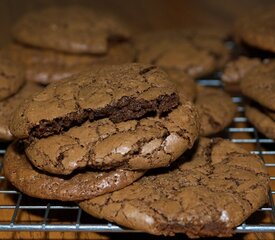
<point>127,116</point>
<point>69,29</point>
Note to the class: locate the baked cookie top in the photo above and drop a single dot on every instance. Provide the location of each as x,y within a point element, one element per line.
<point>215,108</point>
<point>235,70</point>
<point>151,142</point>
<point>118,92</point>
<point>207,193</point>
<point>183,51</point>
<point>45,66</point>
<point>80,186</point>
<point>259,85</point>
<point>11,77</point>
<point>257,29</point>
<point>9,106</point>
<point>72,29</point>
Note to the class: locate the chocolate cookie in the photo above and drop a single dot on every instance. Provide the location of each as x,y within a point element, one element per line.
<point>264,123</point>
<point>216,110</point>
<point>137,144</point>
<point>72,29</point>
<point>257,29</point>
<point>187,86</point>
<point>259,85</point>
<point>45,66</point>
<point>236,70</point>
<point>209,195</point>
<point>119,92</point>
<point>11,77</point>
<point>9,106</point>
<point>182,51</point>
<point>79,186</point>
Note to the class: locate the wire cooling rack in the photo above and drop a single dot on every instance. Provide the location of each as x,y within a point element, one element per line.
<point>19,212</point>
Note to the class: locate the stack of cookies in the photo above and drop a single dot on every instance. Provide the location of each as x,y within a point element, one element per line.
<point>103,129</point>
<point>52,47</point>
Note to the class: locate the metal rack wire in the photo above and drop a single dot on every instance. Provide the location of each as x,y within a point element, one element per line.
<point>14,204</point>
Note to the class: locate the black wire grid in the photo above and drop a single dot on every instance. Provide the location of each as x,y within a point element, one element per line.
<point>73,219</point>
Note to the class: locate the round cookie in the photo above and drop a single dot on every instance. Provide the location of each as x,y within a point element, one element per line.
<point>187,86</point>
<point>208,193</point>
<point>257,29</point>
<point>237,69</point>
<point>147,143</point>
<point>264,123</point>
<point>72,29</point>
<point>118,92</point>
<point>215,108</point>
<point>259,85</point>
<point>45,66</point>
<point>9,106</point>
<point>80,186</point>
<point>183,51</point>
<point>11,77</point>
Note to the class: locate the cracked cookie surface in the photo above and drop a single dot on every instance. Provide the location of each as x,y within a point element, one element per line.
<point>207,194</point>
<point>118,92</point>
<point>70,29</point>
<point>84,185</point>
<point>11,77</point>
<point>150,142</point>
<point>45,66</point>
<point>9,106</point>
<point>183,51</point>
<point>259,85</point>
<point>215,108</point>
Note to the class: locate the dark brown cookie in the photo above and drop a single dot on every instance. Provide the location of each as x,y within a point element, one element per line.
<point>72,29</point>
<point>216,110</point>
<point>137,144</point>
<point>9,106</point>
<point>45,66</point>
<point>236,70</point>
<point>11,77</point>
<point>119,92</point>
<point>183,51</point>
<point>259,85</point>
<point>257,29</point>
<point>187,86</point>
<point>264,123</point>
<point>80,186</point>
<point>209,195</point>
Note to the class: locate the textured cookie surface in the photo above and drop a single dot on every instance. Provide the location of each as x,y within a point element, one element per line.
<point>69,29</point>
<point>216,110</point>
<point>45,66</point>
<point>80,186</point>
<point>11,77</point>
<point>119,92</point>
<point>187,88</point>
<point>209,195</point>
<point>257,29</point>
<point>259,85</point>
<point>9,106</point>
<point>236,70</point>
<point>183,51</point>
<point>263,122</point>
<point>136,144</point>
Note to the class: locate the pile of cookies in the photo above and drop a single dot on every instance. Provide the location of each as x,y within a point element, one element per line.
<point>126,141</point>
